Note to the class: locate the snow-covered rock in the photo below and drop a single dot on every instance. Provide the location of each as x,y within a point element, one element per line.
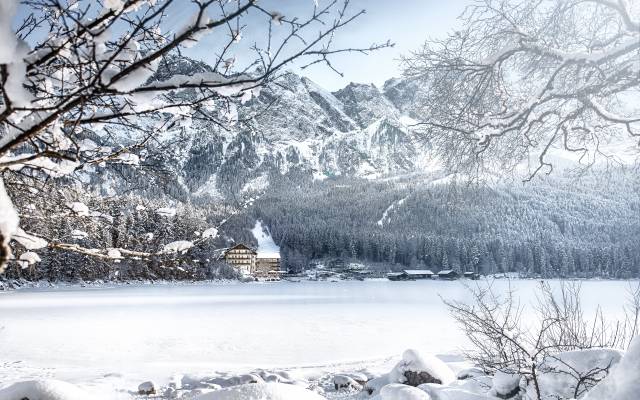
<point>359,377</point>
<point>397,391</point>
<point>623,383</point>
<point>478,384</point>
<point>373,386</point>
<point>415,369</point>
<point>505,385</point>
<point>43,390</point>
<point>262,391</point>
<point>345,382</point>
<point>439,392</point>
<point>146,388</point>
<point>192,382</point>
<point>561,373</point>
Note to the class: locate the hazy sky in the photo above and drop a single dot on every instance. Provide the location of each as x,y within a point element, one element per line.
<point>407,23</point>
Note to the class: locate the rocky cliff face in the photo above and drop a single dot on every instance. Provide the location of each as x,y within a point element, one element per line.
<point>294,125</point>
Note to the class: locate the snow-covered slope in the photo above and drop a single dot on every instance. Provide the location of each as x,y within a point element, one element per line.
<point>356,131</point>
<point>267,248</point>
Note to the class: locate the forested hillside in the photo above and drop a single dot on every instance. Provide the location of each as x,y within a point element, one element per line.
<point>337,176</point>
<point>553,227</point>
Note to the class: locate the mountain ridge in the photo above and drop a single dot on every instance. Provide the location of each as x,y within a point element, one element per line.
<point>356,131</point>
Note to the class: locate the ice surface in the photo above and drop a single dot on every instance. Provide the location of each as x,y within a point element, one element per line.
<point>121,336</point>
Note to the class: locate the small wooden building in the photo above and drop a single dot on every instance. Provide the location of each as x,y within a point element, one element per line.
<point>448,274</point>
<point>241,257</point>
<point>471,275</point>
<point>398,276</point>
<point>418,273</point>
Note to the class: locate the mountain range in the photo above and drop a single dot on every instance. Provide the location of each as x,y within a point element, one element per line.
<point>292,126</point>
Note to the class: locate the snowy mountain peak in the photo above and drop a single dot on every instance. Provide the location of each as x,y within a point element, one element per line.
<point>356,131</point>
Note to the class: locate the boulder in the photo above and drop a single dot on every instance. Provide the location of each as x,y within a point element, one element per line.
<point>505,385</point>
<point>48,389</point>
<point>416,378</point>
<point>359,377</point>
<point>146,388</point>
<point>623,383</point>
<point>415,370</point>
<point>562,375</point>
<point>373,386</point>
<point>345,382</point>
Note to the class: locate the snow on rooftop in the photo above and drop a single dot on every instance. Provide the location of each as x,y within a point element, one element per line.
<point>446,271</point>
<point>418,272</point>
<point>267,248</point>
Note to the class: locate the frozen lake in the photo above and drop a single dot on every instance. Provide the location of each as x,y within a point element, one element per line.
<point>155,331</point>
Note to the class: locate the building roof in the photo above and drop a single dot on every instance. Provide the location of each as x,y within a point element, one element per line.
<point>240,246</point>
<point>418,272</point>
<point>395,274</point>
<point>446,272</point>
<point>262,255</point>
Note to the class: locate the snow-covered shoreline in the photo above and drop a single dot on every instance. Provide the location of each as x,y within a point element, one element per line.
<point>109,339</point>
<point>25,285</point>
<point>413,376</point>
<point>22,285</point>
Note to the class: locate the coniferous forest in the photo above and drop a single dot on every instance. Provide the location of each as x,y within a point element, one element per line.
<point>586,228</point>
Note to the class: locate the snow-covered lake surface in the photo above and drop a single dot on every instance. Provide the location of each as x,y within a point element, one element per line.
<point>152,332</point>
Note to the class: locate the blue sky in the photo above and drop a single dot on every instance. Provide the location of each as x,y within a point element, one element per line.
<point>407,23</point>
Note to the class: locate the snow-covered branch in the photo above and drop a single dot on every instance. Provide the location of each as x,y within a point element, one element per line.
<point>497,92</point>
<point>99,65</point>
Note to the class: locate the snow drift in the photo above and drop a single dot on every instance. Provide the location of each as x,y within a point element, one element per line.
<point>623,383</point>
<point>43,390</point>
<point>262,391</point>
